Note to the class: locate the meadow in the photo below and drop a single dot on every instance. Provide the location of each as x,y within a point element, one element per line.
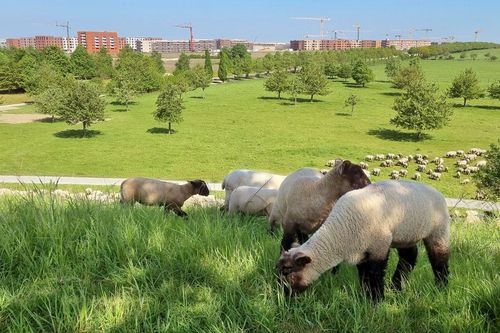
<point>240,125</point>
<point>82,266</point>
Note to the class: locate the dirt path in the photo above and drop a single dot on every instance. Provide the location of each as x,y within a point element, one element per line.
<point>21,118</point>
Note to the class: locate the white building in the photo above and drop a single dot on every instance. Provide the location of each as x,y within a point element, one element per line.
<point>145,46</point>
<point>132,41</point>
<point>3,43</point>
<point>69,45</point>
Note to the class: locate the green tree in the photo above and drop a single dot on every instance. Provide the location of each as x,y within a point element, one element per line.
<point>82,63</point>
<point>157,61</point>
<point>104,64</point>
<point>488,177</point>
<point>247,65</point>
<point>52,101</point>
<point>314,82</point>
<point>43,78</point>
<point>182,64</point>
<point>83,105</point>
<point>224,64</point>
<point>268,62</point>
<point>494,90</point>
<point>351,101</point>
<point>392,66</point>
<point>344,71</point>
<point>331,70</point>
<point>124,93</point>
<point>361,73</point>
<point>277,82</point>
<point>493,57</point>
<point>473,56</point>
<point>200,78</point>
<point>208,64</point>
<point>466,86</point>
<point>420,109</point>
<point>141,71</point>
<point>409,75</point>
<point>56,57</point>
<point>463,55</point>
<point>294,87</point>
<point>169,106</point>
<point>10,77</point>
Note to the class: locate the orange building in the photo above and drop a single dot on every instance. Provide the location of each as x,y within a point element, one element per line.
<point>42,42</point>
<point>93,41</point>
<point>20,42</point>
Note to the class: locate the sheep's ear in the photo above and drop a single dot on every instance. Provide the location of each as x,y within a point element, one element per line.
<point>301,259</point>
<point>342,169</point>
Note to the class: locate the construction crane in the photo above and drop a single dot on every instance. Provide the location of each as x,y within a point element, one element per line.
<point>476,34</point>
<point>190,27</point>
<point>321,20</point>
<point>335,32</point>
<point>358,29</point>
<point>311,36</point>
<point>65,26</point>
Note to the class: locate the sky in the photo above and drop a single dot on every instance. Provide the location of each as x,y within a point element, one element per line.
<point>255,20</point>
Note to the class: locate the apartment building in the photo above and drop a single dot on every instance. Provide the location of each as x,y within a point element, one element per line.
<point>343,44</point>
<point>177,46</point>
<point>220,43</point>
<point>93,41</point>
<point>69,45</point>
<point>133,41</point>
<point>405,44</point>
<point>21,42</point>
<point>42,42</point>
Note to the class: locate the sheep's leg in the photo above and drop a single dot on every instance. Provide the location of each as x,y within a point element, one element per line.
<point>289,234</point>
<point>176,209</point>
<point>406,263</point>
<point>374,278</point>
<point>302,237</point>
<point>438,256</point>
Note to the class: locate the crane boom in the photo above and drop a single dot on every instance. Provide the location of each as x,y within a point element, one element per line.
<point>190,27</point>
<point>321,20</point>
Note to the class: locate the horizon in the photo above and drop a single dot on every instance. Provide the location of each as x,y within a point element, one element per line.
<point>221,19</point>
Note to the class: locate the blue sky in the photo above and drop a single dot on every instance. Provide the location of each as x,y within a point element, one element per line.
<point>255,20</point>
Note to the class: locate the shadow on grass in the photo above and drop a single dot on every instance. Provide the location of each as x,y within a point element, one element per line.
<point>343,114</point>
<point>352,85</point>
<point>395,135</point>
<point>485,107</point>
<point>73,133</point>
<point>197,97</point>
<point>268,97</point>
<point>160,130</point>
<point>119,110</point>
<point>122,104</point>
<point>383,81</point>
<point>391,93</point>
<point>49,120</point>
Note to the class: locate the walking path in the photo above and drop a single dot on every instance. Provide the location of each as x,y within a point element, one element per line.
<point>11,106</point>
<point>459,203</point>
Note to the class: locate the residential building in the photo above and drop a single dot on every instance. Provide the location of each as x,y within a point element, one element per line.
<point>69,45</point>
<point>220,43</point>
<point>3,43</point>
<point>405,44</point>
<point>132,41</point>
<point>21,42</point>
<point>42,42</point>
<point>343,44</point>
<point>93,41</point>
<point>177,46</point>
<point>263,47</point>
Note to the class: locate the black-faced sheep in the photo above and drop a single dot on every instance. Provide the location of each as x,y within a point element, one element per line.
<point>252,200</point>
<point>417,176</point>
<point>249,178</point>
<point>306,197</point>
<point>375,172</point>
<point>362,228</point>
<point>156,192</point>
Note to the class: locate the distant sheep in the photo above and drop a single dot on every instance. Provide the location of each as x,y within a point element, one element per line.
<point>421,168</point>
<point>451,154</point>
<point>441,168</point>
<point>403,173</point>
<point>369,158</point>
<point>435,176</point>
<point>421,161</point>
<point>416,176</point>
<point>376,172</point>
<point>156,192</point>
<point>481,164</point>
<point>386,163</point>
<point>379,157</point>
<point>360,232</point>
<point>438,160</point>
<point>462,163</point>
<point>363,165</point>
<point>460,152</point>
<point>394,174</point>
<point>465,181</point>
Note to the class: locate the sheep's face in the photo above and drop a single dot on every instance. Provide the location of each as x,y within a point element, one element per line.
<point>200,187</point>
<point>291,268</point>
<point>353,176</point>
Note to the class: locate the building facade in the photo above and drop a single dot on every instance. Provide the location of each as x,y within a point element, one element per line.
<point>42,42</point>
<point>179,46</point>
<point>220,43</point>
<point>405,44</point>
<point>69,45</point>
<point>93,41</point>
<point>133,41</point>
<point>344,44</point>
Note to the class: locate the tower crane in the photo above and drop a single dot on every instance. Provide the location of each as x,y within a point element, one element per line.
<point>321,20</point>
<point>190,27</point>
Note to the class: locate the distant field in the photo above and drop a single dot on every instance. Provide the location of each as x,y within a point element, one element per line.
<point>240,125</point>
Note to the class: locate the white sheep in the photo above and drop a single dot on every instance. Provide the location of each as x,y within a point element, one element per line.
<point>441,168</point>
<point>252,200</point>
<point>438,160</point>
<point>391,156</point>
<point>451,154</point>
<point>156,192</point>
<point>460,152</point>
<point>306,197</point>
<point>362,228</point>
<point>418,157</point>
<point>417,176</point>
<point>421,167</point>
<point>363,165</point>
<point>435,175</point>
<point>379,157</point>
<point>386,163</point>
<point>330,163</point>
<point>481,164</point>
<point>369,158</point>
<point>421,161</point>
<point>465,181</point>
<point>394,174</point>
<point>403,173</point>
<point>462,163</point>
<point>249,178</point>
<point>375,172</point>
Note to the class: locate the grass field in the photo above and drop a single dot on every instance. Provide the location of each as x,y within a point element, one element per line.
<point>86,267</point>
<point>239,125</point>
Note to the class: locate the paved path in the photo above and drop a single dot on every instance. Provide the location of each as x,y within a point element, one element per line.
<point>459,203</point>
<point>11,106</point>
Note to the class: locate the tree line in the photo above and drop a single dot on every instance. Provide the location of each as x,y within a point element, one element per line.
<point>445,49</point>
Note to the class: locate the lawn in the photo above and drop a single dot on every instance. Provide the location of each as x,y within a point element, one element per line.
<point>85,267</point>
<point>240,125</point>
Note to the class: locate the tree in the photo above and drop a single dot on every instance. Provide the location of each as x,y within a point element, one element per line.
<point>314,82</point>
<point>208,64</point>
<point>420,109</point>
<point>124,93</point>
<point>473,56</point>
<point>268,62</point>
<point>344,71</point>
<point>182,82</point>
<point>463,55</point>
<point>409,75</point>
<point>82,63</point>
<point>169,106</point>
<point>392,66</point>
<point>155,57</point>
<point>10,78</point>
<point>56,57</point>
<point>351,101</point>
<point>488,177</point>
<point>182,64</point>
<point>83,105</point>
<point>141,71</point>
<point>200,78</point>
<point>466,86</point>
<point>494,90</point>
<point>52,100</point>
<point>361,73</point>
<point>294,87</point>
<point>224,63</point>
<point>45,77</point>
<point>331,69</point>
<point>277,82</point>
<point>103,63</point>
<point>493,57</point>
<point>247,65</point>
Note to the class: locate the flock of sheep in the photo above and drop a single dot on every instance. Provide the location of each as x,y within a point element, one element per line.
<point>347,218</point>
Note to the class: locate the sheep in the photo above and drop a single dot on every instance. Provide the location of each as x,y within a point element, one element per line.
<point>249,178</point>
<point>460,152</point>
<point>462,163</point>
<point>363,165</point>
<point>470,157</point>
<point>306,197</point>
<point>451,154</point>
<point>441,168</point>
<point>421,168</point>
<point>421,161</point>
<point>418,157</point>
<point>391,156</point>
<point>394,174</point>
<point>471,169</point>
<point>252,200</point>
<point>156,192</point>
<point>386,163</point>
<point>477,151</point>
<point>330,163</point>
<point>379,157</point>
<point>417,176</point>
<point>403,173</point>
<point>435,175</point>
<point>403,161</point>
<point>465,181</point>
<point>481,164</point>
<point>438,160</point>
<point>361,229</point>
<point>369,158</point>
<point>458,174</point>
<point>425,156</point>
<point>375,172</point>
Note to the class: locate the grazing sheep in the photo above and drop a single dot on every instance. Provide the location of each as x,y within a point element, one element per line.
<point>477,151</point>
<point>403,161</point>
<point>416,176</point>
<point>421,161</point>
<point>394,174</point>
<point>391,156</point>
<point>403,173</point>
<point>252,200</point>
<point>330,163</point>
<point>470,157</point>
<point>369,158</point>
<point>481,164</point>
<point>441,168</point>
<point>458,174</point>
<point>376,172</point>
<point>363,165</point>
<point>379,157</point>
<point>451,154</point>
<point>462,163</point>
<point>362,228</point>
<point>421,168</point>
<point>435,175</point>
<point>156,192</point>
<point>438,160</point>
<point>460,152</point>
<point>418,157</point>
<point>425,157</point>
<point>306,197</point>
<point>249,178</point>
<point>465,181</point>
<point>386,163</point>
<point>471,169</point>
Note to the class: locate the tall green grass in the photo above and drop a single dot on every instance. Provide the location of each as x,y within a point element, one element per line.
<point>81,266</point>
